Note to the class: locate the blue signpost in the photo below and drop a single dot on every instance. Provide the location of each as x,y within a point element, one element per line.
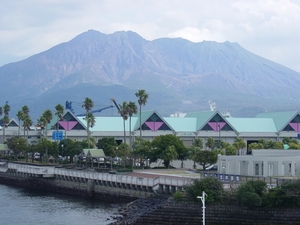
<point>57,135</point>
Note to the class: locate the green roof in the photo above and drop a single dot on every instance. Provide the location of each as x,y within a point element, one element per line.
<point>202,117</point>
<point>95,153</point>
<point>252,124</point>
<point>144,115</point>
<point>110,123</point>
<point>280,118</point>
<point>182,124</point>
<point>3,147</point>
<point>263,122</point>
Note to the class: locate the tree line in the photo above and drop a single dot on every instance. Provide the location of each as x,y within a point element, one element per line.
<point>253,193</point>
<point>139,151</point>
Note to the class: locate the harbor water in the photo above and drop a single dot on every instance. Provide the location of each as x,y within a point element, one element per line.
<point>19,206</point>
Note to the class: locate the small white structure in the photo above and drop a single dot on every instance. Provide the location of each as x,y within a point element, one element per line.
<point>262,162</point>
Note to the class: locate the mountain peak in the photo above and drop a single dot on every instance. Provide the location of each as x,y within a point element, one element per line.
<point>179,70</point>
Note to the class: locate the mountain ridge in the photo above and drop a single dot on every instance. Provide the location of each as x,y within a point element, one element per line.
<point>180,70</point>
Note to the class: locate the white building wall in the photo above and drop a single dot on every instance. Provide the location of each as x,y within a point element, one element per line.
<point>262,163</point>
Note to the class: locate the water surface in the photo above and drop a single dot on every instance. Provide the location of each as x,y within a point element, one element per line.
<point>19,206</point>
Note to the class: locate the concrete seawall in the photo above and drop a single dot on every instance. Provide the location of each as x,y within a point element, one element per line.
<point>89,183</point>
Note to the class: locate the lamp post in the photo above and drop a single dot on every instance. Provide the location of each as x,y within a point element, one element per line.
<point>219,127</point>
<point>203,206</point>
<point>117,156</point>
<point>62,153</point>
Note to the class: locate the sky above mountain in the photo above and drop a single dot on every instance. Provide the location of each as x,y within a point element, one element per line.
<point>269,28</point>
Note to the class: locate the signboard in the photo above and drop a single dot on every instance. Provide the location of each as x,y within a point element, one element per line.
<point>298,136</point>
<point>57,135</point>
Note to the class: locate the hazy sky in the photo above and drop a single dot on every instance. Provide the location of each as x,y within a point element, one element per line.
<point>268,28</point>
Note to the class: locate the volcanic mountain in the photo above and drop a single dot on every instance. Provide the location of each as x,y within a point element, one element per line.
<point>178,75</point>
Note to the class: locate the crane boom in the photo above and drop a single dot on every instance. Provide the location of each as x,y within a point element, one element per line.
<point>96,110</point>
<point>114,101</point>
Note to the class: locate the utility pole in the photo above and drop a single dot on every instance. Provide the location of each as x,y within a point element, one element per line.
<point>203,206</point>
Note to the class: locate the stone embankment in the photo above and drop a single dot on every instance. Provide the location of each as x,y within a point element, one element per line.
<point>168,212</point>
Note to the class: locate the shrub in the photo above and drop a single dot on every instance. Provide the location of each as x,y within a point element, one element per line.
<point>211,186</point>
<point>250,199</point>
<point>178,196</point>
<point>259,186</point>
<point>276,197</point>
<point>242,190</point>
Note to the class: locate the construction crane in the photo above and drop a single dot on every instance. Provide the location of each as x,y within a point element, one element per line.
<point>117,106</point>
<point>69,106</point>
<point>94,111</point>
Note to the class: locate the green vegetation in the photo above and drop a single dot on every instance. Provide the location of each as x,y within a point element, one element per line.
<point>211,186</point>
<point>249,194</point>
<point>137,153</point>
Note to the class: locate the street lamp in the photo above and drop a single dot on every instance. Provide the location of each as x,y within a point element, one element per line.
<point>62,153</point>
<point>117,156</point>
<point>219,135</point>
<point>203,206</point>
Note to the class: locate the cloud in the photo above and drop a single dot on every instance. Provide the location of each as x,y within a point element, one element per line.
<point>269,28</point>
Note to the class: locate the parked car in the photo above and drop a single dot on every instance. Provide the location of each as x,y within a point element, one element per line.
<point>212,167</point>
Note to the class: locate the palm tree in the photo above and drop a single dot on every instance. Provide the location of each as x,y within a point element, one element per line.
<point>192,152</point>
<point>142,100</point>
<point>132,109</point>
<point>25,112</point>
<point>124,113</point>
<point>88,104</point>
<point>91,122</point>
<point>47,117</point>
<point>27,123</point>
<point>1,112</point>
<point>20,117</point>
<point>5,119</point>
<point>25,109</point>
<point>59,113</point>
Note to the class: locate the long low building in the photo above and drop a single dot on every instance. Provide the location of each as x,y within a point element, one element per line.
<point>262,162</point>
<point>270,126</point>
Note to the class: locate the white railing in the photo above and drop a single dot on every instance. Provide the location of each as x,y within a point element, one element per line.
<point>117,178</point>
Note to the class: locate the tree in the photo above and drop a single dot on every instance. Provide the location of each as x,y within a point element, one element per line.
<point>17,145</point>
<point>254,146</point>
<point>88,104</point>
<point>239,144</point>
<point>142,100</point>
<point>192,151</point>
<point>206,158</point>
<point>230,150</point>
<point>292,145</point>
<point>69,148</point>
<point>250,193</point>
<point>141,152</point>
<point>162,150</point>
<point>25,113</point>
<point>168,155</point>
<point>108,144</point>
<point>46,119</point>
<point>5,119</point>
<point>196,146</point>
<point>59,113</point>
<point>198,142</point>
<point>89,143</point>
<point>131,109</point>
<point>27,123</point>
<point>211,186</point>
<point>124,113</point>
<point>20,117</point>
<point>210,143</point>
